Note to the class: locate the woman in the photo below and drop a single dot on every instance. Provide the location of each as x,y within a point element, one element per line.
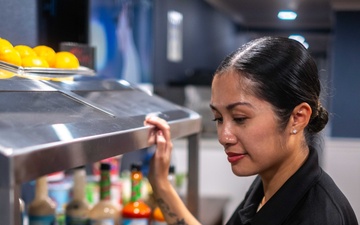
<point>265,101</point>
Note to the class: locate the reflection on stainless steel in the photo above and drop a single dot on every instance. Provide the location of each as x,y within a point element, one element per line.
<point>35,108</point>
<point>62,132</point>
<point>51,126</point>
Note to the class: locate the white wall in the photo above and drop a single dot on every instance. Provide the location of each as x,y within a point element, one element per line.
<point>342,163</point>
<point>341,159</point>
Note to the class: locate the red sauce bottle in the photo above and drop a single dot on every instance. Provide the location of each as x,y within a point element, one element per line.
<point>136,211</point>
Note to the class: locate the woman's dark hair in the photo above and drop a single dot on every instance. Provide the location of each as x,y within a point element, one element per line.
<point>284,74</point>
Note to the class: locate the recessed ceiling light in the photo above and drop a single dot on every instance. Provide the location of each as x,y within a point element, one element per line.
<point>306,45</point>
<point>300,39</point>
<point>287,15</point>
<point>297,37</point>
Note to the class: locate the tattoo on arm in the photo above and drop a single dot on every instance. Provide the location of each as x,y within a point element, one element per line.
<point>166,210</point>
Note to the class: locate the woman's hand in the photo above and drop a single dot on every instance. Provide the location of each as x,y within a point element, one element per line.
<point>173,208</point>
<point>160,136</point>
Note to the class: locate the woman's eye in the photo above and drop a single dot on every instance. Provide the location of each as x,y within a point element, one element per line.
<point>237,120</point>
<point>218,120</point>
<point>240,119</point>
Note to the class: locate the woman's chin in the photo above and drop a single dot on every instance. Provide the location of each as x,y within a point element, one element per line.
<point>241,172</point>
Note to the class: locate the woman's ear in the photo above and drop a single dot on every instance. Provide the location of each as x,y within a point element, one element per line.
<point>300,117</point>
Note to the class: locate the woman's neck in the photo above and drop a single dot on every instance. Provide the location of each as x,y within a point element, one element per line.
<point>273,180</point>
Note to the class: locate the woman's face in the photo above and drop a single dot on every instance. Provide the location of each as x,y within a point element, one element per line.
<point>247,127</point>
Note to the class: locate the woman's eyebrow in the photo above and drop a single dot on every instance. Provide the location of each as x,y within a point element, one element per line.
<point>233,105</point>
<point>212,107</point>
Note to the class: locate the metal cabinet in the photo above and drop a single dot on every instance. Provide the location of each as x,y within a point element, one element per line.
<point>47,127</point>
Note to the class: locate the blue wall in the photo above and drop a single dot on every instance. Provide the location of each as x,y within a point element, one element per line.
<point>18,21</point>
<point>208,36</point>
<point>345,118</point>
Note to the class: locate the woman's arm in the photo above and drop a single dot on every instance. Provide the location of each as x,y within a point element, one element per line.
<point>171,205</point>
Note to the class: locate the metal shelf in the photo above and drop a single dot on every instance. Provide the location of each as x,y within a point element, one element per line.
<point>47,127</point>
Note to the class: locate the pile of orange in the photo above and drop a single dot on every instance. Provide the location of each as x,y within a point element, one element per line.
<point>39,56</point>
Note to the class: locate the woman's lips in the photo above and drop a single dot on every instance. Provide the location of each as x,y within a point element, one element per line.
<point>234,157</point>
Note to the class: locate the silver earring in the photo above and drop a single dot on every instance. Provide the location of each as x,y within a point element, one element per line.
<point>294,131</point>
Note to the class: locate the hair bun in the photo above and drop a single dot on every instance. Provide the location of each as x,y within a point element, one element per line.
<point>319,121</point>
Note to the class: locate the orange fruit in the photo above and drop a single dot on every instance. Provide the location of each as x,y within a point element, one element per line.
<point>10,55</point>
<point>4,42</point>
<point>66,60</point>
<point>4,74</point>
<point>45,52</point>
<point>25,50</point>
<point>34,61</point>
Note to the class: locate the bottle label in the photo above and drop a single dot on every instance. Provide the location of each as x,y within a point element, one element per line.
<point>105,185</point>
<point>135,190</point>
<point>42,220</point>
<point>102,222</point>
<point>135,221</point>
<point>72,220</point>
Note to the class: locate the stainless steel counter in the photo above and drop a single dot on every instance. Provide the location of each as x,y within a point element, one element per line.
<point>47,127</point>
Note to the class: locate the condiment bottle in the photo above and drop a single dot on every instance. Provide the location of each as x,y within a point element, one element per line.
<point>77,210</point>
<point>106,211</point>
<point>136,211</point>
<point>171,176</point>
<point>41,210</point>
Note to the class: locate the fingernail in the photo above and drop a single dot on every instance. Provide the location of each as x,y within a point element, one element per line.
<point>160,133</point>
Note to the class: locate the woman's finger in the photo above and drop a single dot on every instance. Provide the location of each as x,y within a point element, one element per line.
<point>152,137</point>
<point>161,124</point>
<point>161,144</point>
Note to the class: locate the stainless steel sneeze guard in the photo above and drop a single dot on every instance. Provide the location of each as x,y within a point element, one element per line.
<point>47,127</point>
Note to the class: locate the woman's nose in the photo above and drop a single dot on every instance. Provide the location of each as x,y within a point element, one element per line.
<point>226,137</point>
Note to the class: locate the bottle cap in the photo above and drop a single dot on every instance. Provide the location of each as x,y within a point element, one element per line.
<point>135,167</point>
<point>172,169</point>
<point>105,166</point>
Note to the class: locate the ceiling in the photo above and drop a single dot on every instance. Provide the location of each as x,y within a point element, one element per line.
<point>314,21</point>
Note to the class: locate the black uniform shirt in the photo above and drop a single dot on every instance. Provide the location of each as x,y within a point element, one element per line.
<point>309,197</point>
